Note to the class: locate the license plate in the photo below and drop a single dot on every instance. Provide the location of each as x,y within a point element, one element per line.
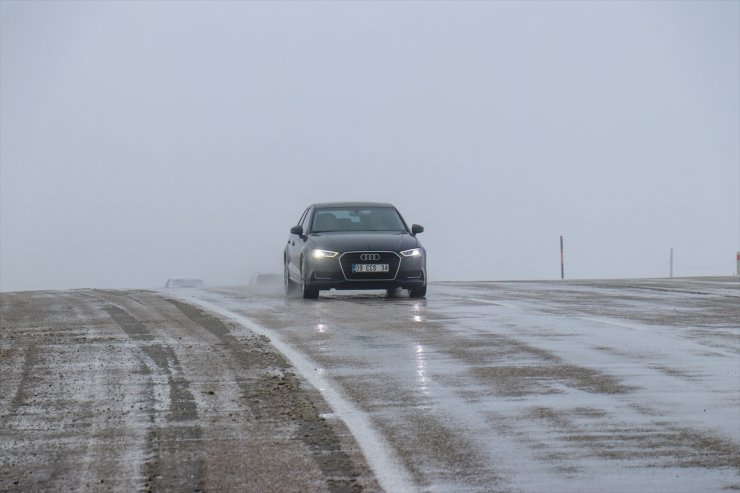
<point>370,268</point>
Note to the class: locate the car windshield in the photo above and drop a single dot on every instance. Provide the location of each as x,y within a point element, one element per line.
<point>332,219</point>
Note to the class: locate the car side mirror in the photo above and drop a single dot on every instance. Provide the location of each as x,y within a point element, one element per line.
<point>416,229</point>
<point>297,230</point>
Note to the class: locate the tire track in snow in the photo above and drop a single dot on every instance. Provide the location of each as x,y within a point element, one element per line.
<point>182,410</point>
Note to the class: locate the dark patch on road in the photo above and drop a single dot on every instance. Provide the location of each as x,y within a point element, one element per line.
<point>515,381</point>
<point>659,443</point>
<point>21,397</point>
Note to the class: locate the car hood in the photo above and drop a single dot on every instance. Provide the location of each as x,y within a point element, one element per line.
<point>352,242</point>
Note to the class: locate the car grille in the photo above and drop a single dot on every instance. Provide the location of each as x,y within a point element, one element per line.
<point>391,258</point>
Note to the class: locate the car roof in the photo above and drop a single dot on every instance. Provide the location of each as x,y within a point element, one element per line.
<point>352,204</point>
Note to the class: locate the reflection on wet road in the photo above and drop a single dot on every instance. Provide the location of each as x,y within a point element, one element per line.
<point>572,386</point>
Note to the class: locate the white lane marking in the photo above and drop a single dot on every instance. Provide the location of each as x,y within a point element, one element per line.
<point>387,467</point>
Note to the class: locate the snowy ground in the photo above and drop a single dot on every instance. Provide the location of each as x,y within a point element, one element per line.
<point>609,386</point>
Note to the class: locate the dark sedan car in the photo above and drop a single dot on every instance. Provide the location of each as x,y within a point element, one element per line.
<point>354,245</point>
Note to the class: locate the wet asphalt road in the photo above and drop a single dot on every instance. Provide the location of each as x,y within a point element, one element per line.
<point>528,386</point>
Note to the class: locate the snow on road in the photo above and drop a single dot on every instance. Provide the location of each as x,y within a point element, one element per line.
<point>131,391</point>
<point>574,386</point>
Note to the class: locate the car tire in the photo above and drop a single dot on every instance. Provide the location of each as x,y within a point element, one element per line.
<point>419,292</point>
<point>307,292</point>
<point>290,286</point>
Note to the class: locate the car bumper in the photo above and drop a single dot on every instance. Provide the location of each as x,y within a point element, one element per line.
<point>334,273</point>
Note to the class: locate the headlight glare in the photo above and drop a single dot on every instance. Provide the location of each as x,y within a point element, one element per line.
<point>324,254</point>
<point>414,252</point>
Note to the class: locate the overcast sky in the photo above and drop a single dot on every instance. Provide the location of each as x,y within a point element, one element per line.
<point>143,140</point>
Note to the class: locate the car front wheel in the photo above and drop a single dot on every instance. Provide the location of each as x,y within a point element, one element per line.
<point>419,292</point>
<point>290,286</point>
<point>307,292</point>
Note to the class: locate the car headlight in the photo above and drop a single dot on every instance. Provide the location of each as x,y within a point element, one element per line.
<point>324,254</point>
<point>414,252</point>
